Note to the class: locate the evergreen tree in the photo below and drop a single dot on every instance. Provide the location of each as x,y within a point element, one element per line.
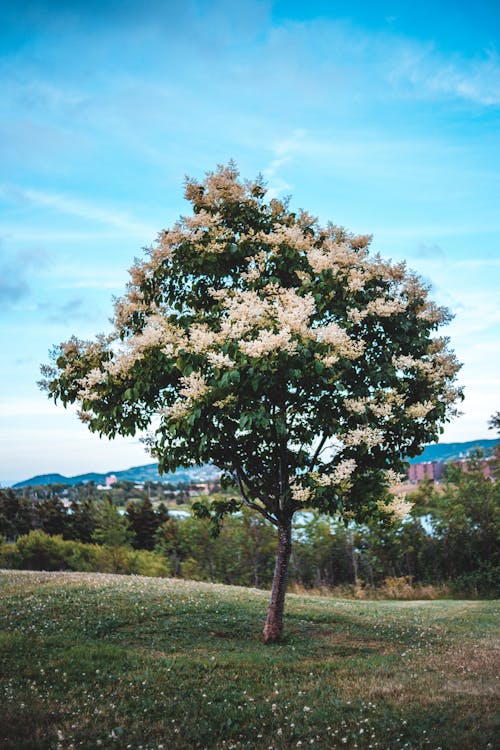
<point>143,523</point>
<point>111,528</point>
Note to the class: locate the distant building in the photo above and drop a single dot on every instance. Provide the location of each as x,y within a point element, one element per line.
<point>434,470</point>
<point>110,479</point>
<point>431,470</point>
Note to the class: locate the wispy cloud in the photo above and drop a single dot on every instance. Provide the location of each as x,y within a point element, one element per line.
<point>430,74</point>
<point>83,209</point>
<point>284,151</point>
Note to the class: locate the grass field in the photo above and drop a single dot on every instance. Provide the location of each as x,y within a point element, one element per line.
<point>89,660</point>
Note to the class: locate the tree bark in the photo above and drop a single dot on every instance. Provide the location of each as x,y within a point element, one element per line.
<point>274,622</point>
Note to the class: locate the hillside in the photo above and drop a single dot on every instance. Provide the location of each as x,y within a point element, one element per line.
<point>453,451</point>
<point>149,472</point>
<point>128,662</point>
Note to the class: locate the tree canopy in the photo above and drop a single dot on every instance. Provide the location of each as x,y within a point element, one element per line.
<point>279,350</point>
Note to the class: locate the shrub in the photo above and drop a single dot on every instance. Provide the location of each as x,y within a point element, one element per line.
<point>39,551</point>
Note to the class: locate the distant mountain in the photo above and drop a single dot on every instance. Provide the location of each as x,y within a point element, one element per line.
<point>453,451</point>
<point>148,473</point>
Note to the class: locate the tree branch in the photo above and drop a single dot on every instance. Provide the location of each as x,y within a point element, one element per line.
<point>248,502</point>
<point>317,452</point>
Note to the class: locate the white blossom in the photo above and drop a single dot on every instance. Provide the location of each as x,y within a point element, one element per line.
<point>294,311</point>
<point>194,386</point>
<point>368,436</point>
<point>404,362</point>
<point>382,410</point>
<point>355,405</point>
<point>201,338</point>
<point>399,506</point>
<point>419,410</point>
<point>220,360</point>
<point>393,478</point>
<point>383,308</point>
<point>94,377</point>
<point>341,473</point>
<point>355,315</point>
<point>267,342</point>
<point>177,411</point>
<point>299,493</point>
<point>338,338</point>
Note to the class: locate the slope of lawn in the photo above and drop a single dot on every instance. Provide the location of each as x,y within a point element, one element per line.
<point>90,660</point>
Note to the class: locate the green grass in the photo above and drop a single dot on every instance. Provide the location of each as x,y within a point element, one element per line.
<point>89,660</point>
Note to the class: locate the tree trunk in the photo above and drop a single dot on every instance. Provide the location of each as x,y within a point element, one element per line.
<point>274,622</point>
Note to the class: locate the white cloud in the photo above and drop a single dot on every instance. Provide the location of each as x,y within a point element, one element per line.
<point>83,209</point>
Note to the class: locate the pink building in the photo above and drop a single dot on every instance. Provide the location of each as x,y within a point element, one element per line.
<point>434,470</point>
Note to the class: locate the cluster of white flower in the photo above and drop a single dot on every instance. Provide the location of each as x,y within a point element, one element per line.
<point>384,308</point>
<point>202,220</point>
<point>291,236</point>
<point>194,386</point>
<point>330,256</point>
<point>393,478</point>
<point>294,311</point>
<point>225,402</point>
<point>355,405</point>
<point>177,411</point>
<point>440,368</point>
<point>252,273</point>
<point>166,245</point>
<point>355,315</point>
<point>267,342</point>
<point>382,410</point>
<point>383,404</point>
<point>220,360</point>
<point>219,238</point>
<point>158,332</point>
<point>256,266</point>
<point>339,339</point>
<point>399,506</point>
<point>243,309</point>
<point>404,362</point>
<point>201,338</point>
<point>122,363</point>
<point>96,376</point>
<point>369,436</point>
<point>328,360</point>
<point>126,306</point>
<point>300,494</point>
<point>219,187</point>
<point>419,411</point>
<point>356,279</point>
<point>340,474</point>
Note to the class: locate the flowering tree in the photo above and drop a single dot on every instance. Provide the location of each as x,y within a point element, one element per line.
<point>274,348</point>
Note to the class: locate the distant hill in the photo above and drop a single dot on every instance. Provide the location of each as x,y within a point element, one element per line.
<point>148,473</point>
<point>453,451</point>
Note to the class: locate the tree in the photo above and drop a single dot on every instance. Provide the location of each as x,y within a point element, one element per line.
<point>82,519</point>
<point>494,424</point>
<point>253,338</point>
<point>111,528</point>
<point>15,514</point>
<point>143,522</point>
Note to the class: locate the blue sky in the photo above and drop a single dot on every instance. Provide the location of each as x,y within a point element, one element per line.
<point>381,116</point>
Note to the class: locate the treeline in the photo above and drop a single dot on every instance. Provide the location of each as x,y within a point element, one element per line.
<point>121,491</point>
<point>451,538</point>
